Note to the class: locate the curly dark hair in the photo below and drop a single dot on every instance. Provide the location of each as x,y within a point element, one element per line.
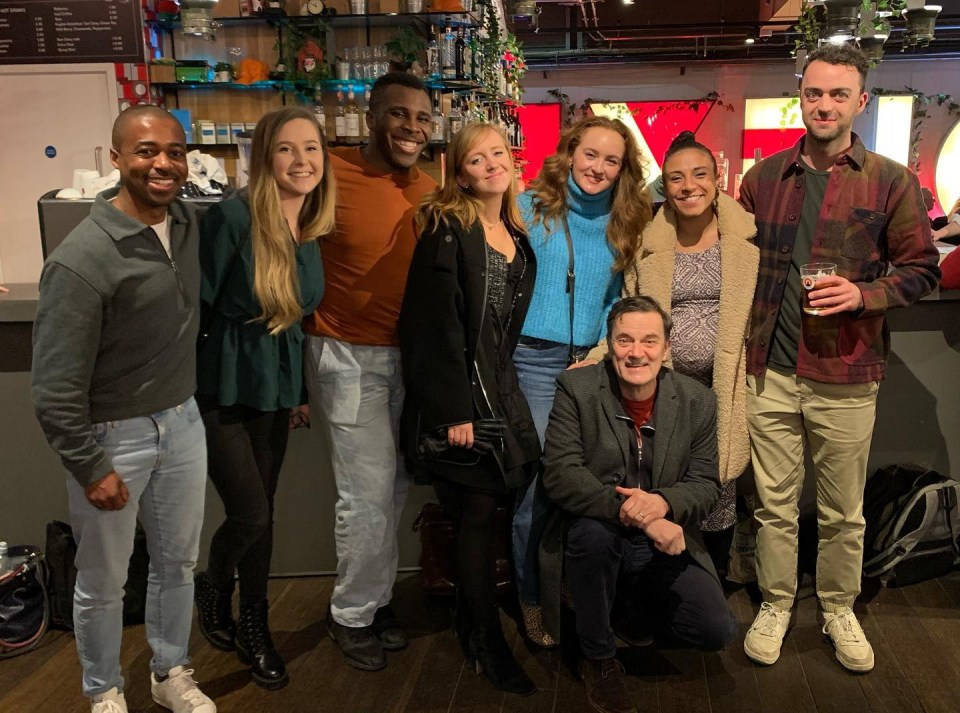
<point>846,55</point>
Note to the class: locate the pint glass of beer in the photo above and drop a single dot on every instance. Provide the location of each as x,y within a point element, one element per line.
<point>810,274</point>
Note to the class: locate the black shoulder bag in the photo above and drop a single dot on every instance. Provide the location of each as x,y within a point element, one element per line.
<point>572,358</point>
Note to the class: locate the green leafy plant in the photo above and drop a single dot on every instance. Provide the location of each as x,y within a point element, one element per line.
<point>788,112</point>
<point>406,45</point>
<point>808,26</point>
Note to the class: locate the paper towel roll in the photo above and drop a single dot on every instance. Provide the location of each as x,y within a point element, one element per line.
<point>82,174</point>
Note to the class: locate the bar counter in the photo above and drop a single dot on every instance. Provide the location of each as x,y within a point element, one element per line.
<point>918,406</point>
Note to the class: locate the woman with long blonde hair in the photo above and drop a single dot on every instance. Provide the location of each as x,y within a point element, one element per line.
<point>466,426</point>
<point>585,212</point>
<point>260,274</point>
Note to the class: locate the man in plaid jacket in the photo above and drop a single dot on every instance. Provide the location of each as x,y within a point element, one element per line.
<point>814,377</point>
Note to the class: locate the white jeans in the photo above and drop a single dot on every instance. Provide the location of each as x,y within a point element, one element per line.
<point>359,391</point>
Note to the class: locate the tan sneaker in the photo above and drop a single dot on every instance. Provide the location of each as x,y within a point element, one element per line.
<point>765,637</point>
<point>179,693</point>
<point>851,645</point>
<point>111,701</point>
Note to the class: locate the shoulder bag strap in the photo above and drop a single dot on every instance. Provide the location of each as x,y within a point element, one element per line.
<point>571,282</point>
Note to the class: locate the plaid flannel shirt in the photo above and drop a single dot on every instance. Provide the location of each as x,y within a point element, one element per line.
<point>873,225</point>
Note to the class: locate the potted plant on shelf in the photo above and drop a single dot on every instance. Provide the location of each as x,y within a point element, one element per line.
<point>921,24</point>
<point>223,72</point>
<point>405,48</point>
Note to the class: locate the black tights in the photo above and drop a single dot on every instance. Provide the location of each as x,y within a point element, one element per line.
<point>245,450</point>
<point>476,515</point>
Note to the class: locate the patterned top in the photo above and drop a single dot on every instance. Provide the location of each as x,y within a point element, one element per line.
<point>502,281</point>
<point>696,312</point>
<point>873,225</point>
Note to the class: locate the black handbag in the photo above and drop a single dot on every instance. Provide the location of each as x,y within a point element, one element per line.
<point>24,606</point>
<point>62,576</point>
<point>487,438</point>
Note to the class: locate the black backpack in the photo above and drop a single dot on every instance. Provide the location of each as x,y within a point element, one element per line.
<point>913,525</point>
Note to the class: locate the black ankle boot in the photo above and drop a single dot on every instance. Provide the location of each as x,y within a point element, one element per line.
<point>255,647</point>
<point>462,628</point>
<point>215,613</point>
<point>495,660</point>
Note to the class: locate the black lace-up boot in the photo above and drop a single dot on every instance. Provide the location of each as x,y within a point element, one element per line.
<point>255,647</point>
<point>215,613</point>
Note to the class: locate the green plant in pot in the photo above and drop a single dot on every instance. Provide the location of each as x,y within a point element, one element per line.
<point>921,24</point>
<point>405,48</point>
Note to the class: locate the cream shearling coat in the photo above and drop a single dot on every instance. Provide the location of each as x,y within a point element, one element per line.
<point>652,275</point>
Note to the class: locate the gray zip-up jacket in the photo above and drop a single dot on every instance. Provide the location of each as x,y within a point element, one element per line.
<point>116,329</point>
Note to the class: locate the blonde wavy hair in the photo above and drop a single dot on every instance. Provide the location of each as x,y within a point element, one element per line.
<point>452,201</point>
<point>275,281</point>
<point>630,209</point>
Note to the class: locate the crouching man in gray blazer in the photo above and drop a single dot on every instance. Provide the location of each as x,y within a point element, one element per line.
<point>631,463</point>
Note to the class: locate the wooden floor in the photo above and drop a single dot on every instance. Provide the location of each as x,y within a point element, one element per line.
<point>915,632</point>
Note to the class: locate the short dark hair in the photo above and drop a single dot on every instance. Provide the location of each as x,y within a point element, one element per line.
<point>135,112</point>
<point>846,55</point>
<point>394,79</point>
<point>640,303</point>
<point>688,140</point>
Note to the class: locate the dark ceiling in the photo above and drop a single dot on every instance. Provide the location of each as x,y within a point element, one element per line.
<point>688,32</point>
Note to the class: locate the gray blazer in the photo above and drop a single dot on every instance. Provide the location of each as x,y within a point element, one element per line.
<point>589,447</point>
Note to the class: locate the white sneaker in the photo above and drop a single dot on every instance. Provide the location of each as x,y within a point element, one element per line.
<point>179,693</point>
<point>851,645</point>
<point>111,701</point>
<point>765,637</point>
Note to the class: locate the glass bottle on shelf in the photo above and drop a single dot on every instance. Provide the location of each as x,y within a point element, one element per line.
<point>433,55</point>
<point>438,123</point>
<point>447,52</point>
<point>364,108</point>
<point>352,115</point>
<point>454,119</point>
<point>340,118</point>
<point>459,52</point>
<point>470,56</point>
<point>319,111</point>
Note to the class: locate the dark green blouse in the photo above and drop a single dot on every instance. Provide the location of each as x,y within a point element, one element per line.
<point>239,362</point>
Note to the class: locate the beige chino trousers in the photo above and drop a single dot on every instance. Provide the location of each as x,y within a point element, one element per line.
<point>836,422</point>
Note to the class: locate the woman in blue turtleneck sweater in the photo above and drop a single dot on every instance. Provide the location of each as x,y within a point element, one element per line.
<point>593,183</point>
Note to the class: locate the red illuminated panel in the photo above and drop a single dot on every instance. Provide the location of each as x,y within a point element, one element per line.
<point>769,141</point>
<point>660,122</point>
<point>541,132</point>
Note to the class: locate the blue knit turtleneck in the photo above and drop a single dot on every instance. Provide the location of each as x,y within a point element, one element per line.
<point>597,286</point>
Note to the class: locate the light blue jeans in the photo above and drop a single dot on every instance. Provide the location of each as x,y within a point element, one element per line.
<point>538,367</point>
<point>359,392</point>
<point>163,462</point>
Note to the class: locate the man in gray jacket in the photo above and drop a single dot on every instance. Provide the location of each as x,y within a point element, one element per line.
<point>631,461</point>
<point>113,380</point>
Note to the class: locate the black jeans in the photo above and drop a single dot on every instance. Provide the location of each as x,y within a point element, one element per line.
<point>245,450</point>
<point>682,602</point>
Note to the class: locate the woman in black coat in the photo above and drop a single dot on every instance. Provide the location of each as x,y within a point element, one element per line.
<point>466,425</point>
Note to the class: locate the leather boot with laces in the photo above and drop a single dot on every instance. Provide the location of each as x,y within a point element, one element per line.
<point>215,613</point>
<point>111,701</point>
<point>255,647</point>
<point>606,688</point>
<point>850,643</point>
<point>765,637</point>
<point>179,693</point>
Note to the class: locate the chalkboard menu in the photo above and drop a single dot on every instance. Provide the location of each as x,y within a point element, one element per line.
<point>69,31</point>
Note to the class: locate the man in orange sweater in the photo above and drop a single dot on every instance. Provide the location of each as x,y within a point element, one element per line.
<point>356,377</point>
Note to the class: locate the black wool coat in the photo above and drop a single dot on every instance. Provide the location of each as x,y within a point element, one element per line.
<point>590,446</point>
<point>456,367</point>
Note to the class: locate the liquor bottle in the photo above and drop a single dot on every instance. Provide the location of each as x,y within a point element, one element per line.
<point>454,120</point>
<point>364,108</point>
<point>340,118</point>
<point>438,127</point>
<point>447,51</point>
<point>352,115</point>
<point>433,55</point>
<point>459,58</point>
<point>470,57</point>
<point>318,109</point>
